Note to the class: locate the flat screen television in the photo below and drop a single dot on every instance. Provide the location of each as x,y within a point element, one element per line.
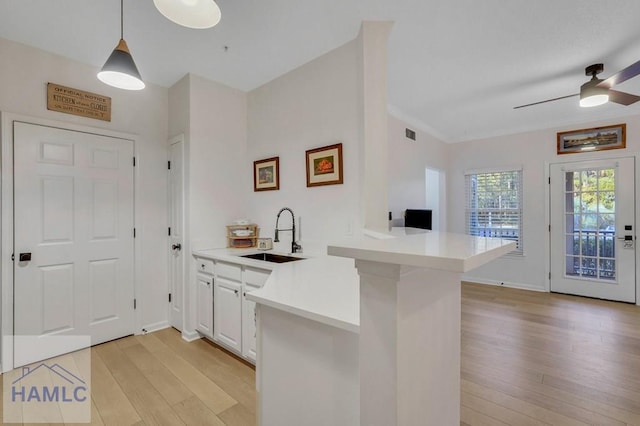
<point>417,218</point>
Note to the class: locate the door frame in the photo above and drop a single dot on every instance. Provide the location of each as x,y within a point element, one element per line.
<point>6,220</point>
<point>583,158</point>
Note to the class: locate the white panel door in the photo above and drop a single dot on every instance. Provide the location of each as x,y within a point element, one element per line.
<point>593,229</point>
<point>176,238</point>
<point>73,200</point>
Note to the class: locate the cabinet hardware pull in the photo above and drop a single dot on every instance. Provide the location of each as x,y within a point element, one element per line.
<point>236,292</point>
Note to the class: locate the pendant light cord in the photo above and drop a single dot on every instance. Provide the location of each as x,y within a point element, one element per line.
<point>121,20</point>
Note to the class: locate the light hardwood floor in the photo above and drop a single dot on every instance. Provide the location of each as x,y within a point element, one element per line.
<point>527,359</point>
<point>538,358</point>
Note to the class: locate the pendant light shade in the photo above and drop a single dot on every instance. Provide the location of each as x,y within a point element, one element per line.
<point>120,69</point>
<point>190,13</point>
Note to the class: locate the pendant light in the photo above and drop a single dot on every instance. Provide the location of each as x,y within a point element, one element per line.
<point>190,13</point>
<point>120,70</point>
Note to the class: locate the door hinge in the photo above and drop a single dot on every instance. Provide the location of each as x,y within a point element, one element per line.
<point>169,165</point>
<point>549,180</point>
<point>549,275</point>
<point>549,228</point>
<point>13,257</point>
<point>134,161</point>
<point>134,232</point>
<point>134,304</point>
<point>169,231</point>
<point>169,297</point>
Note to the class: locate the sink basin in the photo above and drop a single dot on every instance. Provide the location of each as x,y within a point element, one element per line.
<point>271,257</point>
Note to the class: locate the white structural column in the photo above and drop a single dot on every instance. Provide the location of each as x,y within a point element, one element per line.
<point>374,36</point>
<point>409,345</point>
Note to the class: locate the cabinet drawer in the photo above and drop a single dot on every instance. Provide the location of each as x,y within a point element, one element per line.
<point>255,277</point>
<point>204,265</point>
<point>229,271</point>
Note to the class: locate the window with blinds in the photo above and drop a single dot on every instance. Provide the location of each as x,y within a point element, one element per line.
<point>494,205</point>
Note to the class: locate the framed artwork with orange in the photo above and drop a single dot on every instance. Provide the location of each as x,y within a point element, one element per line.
<point>324,165</point>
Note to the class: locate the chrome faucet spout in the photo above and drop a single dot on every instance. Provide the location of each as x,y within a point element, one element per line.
<point>294,245</point>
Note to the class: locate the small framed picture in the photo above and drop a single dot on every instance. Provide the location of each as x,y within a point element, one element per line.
<point>596,139</point>
<point>324,165</point>
<point>266,174</point>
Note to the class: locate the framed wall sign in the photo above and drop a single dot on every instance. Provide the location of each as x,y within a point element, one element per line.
<point>595,139</point>
<point>78,102</point>
<point>266,174</point>
<point>324,165</point>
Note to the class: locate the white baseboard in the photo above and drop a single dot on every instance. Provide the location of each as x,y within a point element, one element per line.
<point>504,284</point>
<point>150,328</point>
<point>190,336</point>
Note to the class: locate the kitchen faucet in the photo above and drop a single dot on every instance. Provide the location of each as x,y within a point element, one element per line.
<point>294,246</point>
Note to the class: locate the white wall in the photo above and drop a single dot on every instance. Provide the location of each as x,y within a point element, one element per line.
<point>312,106</point>
<point>533,151</point>
<point>407,163</point>
<point>213,119</point>
<point>217,152</point>
<point>24,73</point>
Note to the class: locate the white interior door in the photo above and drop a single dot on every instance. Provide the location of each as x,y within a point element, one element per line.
<point>176,239</point>
<point>73,200</point>
<point>593,229</point>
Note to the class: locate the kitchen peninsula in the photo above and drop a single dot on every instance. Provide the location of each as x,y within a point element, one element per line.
<point>369,335</point>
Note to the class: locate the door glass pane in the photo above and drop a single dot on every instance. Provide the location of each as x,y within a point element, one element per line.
<point>590,224</point>
<point>576,203</point>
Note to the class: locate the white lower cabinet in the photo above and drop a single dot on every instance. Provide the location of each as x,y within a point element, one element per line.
<point>252,279</point>
<point>223,313</point>
<point>248,325</point>
<point>228,313</point>
<point>204,304</point>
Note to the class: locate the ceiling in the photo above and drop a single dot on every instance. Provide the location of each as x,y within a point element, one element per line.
<point>456,68</point>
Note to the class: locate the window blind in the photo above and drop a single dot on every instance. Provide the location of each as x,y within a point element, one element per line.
<point>494,205</point>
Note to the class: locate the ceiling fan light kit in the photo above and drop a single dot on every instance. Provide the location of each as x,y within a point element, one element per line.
<point>591,95</point>
<point>597,91</point>
<point>120,70</point>
<point>197,14</point>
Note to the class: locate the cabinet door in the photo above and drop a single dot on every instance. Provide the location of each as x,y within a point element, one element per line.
<point>204,304</point>
<point>228,313</point>
<point>253,279</point>
<point>248,324</point>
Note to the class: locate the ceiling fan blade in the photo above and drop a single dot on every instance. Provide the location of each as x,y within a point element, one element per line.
<point>548,100</point>
<point>624,75</point>
<point>622,97</point>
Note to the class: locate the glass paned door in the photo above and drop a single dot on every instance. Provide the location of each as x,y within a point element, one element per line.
<point>590,223</point>
<point>592,229</point>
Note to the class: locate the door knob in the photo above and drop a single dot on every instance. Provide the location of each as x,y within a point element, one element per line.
<point>176,247</point>
<point>25,257</point>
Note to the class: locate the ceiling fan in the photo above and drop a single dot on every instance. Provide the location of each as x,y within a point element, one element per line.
<point>598,91</point>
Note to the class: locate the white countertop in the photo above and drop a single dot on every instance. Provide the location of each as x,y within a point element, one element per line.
<point>425,249</point>
<point>323,288</point>
<point>327,288</point>
<point>235,256</point>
